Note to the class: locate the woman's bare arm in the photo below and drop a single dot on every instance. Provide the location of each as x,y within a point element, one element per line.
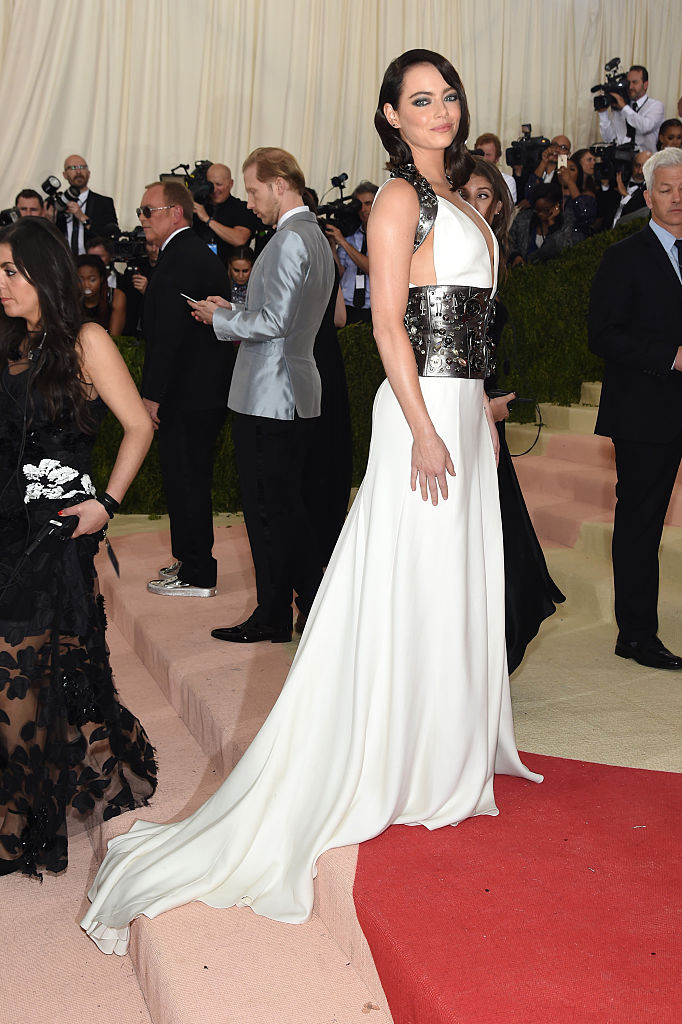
<point>390,241</point>
<point>102,364</point>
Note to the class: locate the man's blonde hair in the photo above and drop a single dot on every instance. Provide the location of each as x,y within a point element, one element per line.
<point>272,163</point>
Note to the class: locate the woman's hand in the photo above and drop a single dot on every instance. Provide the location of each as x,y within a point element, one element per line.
<point>431,464</point>
<point>499,406</point>
<point>92,516</point>
<point>495,437</point>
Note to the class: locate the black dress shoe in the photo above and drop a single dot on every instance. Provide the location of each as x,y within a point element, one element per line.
<point>649,652</point>
<point>251,632</point>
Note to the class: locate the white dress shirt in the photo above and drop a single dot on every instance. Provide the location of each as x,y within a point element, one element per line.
<point>646,121</point>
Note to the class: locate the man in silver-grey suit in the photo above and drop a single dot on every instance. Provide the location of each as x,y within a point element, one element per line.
<point>276,392</point>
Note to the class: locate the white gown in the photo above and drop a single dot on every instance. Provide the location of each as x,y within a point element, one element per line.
<point>397,706</point>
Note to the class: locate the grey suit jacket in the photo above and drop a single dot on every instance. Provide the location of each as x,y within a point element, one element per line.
<point>275,374</point>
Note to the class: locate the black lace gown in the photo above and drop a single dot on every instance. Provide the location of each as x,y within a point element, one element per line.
<point>68,748</point>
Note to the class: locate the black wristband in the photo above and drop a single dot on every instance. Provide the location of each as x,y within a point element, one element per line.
<point>110,504</point>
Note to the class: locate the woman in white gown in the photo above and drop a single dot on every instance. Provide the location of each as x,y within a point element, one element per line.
<point>397,705</point>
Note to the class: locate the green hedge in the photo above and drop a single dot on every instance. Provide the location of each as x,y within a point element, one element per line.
<point>545,341</point>
<point>544,344</point>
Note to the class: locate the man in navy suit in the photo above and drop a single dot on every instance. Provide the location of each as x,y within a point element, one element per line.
<point>635,323</point>
<point>185,382</point>
<point>91,214</point>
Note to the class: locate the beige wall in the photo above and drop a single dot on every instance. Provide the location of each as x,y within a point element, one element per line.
<point>137,86</point>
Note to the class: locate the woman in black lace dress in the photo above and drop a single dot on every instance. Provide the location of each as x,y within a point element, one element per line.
<point>67,747</point>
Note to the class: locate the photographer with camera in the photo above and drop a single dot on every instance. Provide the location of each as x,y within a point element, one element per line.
<point>547,167</point>
<point>627,197</point>
<point>350,253</point>
<point>226,217</point>
<point>89,214</point>
<point>634,116</point>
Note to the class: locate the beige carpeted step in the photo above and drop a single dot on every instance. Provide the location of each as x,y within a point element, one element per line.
<point>196,964</point>
<point>51,973</point>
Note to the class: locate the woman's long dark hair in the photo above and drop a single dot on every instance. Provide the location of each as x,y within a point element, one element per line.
<point>585,182</point>
<point>458,162</point>
<point>100,312</point>
<point>501,221</point>
<point>41,255</point>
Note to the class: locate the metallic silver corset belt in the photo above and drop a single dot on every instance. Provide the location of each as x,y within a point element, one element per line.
<point>447,325</point>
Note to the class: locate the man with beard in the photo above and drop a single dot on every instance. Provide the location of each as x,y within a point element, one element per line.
<point>90,214</point>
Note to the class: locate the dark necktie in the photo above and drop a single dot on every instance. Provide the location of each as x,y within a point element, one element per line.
<point>75,231</point>
<point>359,293</point>
<point>630,128</point>
<point>678,246</point>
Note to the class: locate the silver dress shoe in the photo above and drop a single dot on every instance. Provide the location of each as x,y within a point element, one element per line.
<point>170,572</point>
<point>175,586</point>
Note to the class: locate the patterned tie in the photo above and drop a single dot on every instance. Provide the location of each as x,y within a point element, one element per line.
<point>634,106</point>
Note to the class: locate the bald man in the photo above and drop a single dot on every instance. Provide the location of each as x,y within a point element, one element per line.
<point>89,215</point>
<point>226,218</point>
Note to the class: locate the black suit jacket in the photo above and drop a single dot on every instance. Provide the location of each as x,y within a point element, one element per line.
<point>184,363</point>
<point>635,323</point>
<point>101,212</point>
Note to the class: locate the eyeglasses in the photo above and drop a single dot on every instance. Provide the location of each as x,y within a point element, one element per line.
<point>147,211</point>
<point>561,145</point>
<point>76,167</point>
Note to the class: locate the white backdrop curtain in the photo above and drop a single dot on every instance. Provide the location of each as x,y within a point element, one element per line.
<point>137,86</point>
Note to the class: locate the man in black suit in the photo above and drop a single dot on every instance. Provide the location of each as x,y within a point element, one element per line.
<point>635,323</point>
<point>91,214</point>
<point>185,382</point>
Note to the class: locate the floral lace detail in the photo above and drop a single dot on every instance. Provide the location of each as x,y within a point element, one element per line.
<point>46,480</point>
<point>66,744</point>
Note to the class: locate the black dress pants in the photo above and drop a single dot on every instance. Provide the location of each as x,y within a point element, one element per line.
<point>646,477</point>
<point>187,440</point>
<point>358,316</point>
<point>271,455</point>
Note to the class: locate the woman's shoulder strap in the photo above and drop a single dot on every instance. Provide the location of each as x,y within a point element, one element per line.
<point>428,201</point>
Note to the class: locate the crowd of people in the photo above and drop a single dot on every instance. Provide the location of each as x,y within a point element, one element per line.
<point>560,195</point>
<point>410,715</point>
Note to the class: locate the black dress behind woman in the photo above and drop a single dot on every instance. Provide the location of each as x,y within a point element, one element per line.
<point>530,593</point>
<point>68,748</point>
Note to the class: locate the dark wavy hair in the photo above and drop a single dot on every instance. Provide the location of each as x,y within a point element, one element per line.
<point>41,255</point>
<point>458,162</point>
<point>500,221</point>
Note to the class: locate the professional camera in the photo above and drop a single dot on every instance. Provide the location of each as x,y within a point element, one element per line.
<point>51,187</point>
<point>613,159</point>
<point>8,216</point>
<point>341,212</point>
<point>616,81</point>
<point>128,246</point>
<point>527,151</point>
<point>194,180</point>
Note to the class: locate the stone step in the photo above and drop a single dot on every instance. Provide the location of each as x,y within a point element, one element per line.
<point>590,392</point>
<point>574,419</point>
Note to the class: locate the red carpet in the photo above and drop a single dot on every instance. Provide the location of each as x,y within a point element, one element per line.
<point>565,908</point>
